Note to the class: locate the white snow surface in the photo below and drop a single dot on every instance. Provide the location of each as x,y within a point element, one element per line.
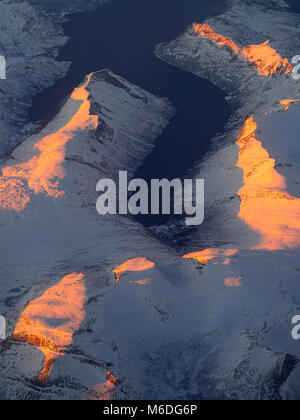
<point>259,333</point>
<point>184,335</point>
<point>31,36</point>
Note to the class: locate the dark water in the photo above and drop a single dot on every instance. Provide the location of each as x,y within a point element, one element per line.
<point>295,5</point>
<point>122,36</point>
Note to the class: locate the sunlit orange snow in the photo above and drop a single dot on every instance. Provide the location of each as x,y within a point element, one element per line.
<point>104,391</point>
<point>203,257</point>
<point>13,193</point>
<point>266,60</point>
<point>136,264</point>
<point>233,282</point>
<point>287,103</point>
<point>50,321</point>
<point>43,172</point>
<point>142,282</point>
<point>207,32</point>
<point>265,205</point>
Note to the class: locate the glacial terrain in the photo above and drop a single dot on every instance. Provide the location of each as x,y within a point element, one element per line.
<point>31,36</point>
<point>98,307</point>
<point>49,220</point>
<point>251,236</point>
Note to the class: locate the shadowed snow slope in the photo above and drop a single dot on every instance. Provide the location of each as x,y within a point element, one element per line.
<point>170,328</point>
<point>98,324</point>
<point>31,36</point>
<point>251,234</point>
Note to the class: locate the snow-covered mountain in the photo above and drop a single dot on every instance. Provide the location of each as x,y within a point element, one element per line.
<point>96,306</point>
<point>50,230</point>
<point>31,36</point>
<point>251,236</point>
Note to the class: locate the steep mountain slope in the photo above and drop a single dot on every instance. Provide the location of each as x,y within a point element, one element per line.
<point>142,322</point>
<point>106,125</point>
<point>98,308</point>
<point>31,36</point>
<point>251,235</point>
